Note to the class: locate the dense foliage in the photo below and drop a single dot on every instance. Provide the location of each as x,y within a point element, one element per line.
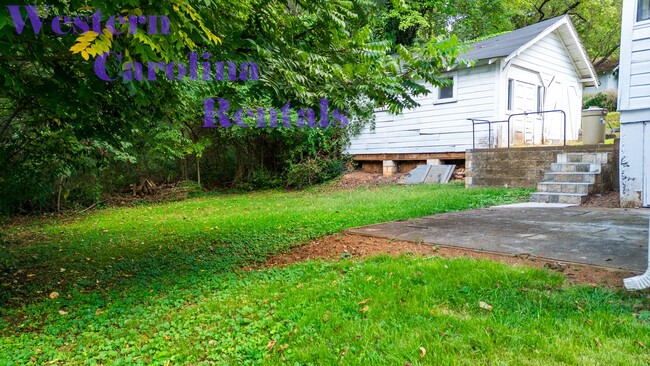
<point>597,22</point>
<point>67,137</point>
<point>605,99</point>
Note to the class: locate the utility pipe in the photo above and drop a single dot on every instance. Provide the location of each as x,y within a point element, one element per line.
<point>643,281</point>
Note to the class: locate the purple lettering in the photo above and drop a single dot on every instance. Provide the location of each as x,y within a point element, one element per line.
<point>19,21</point>
<point>134,20</point>
<point>152,68</point>
<point>206,67</point>
<point>232,71</point>
<point>218,68</point>
<point>343,118</point>
<point>132,68</point>
<point>245,67</point>
<point>261,117</point>
<point>208,113</point>
<point>82,26</point>
<point>324,113</point>
<point>110,24</point>
<point>56,24</point>
<point>194,65</point>
<point>286,115</point>
<point>224,121</point>
<point>311,118</point>
<point>181,71</point>
<point>100,65</point>
<point>153,24</point>
<point>239,117</point>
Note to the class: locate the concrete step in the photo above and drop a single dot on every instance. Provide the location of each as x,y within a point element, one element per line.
<point>565,187</point>
<point>546,197</point>
<point>576,167</point>
<point>600,158</point>
<point>577,177</point>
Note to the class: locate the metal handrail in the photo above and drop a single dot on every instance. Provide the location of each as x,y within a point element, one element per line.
<point>477,121</point>
<point>489,123</point>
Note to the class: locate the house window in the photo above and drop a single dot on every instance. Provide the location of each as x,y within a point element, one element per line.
<point>448,93</point>
<point>511,93</point>
<point>540,98</point>
<point>643,10</point>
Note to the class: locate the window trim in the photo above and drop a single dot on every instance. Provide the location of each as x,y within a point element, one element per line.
<point>636,14</point>
<point>454,98</point>
<point>510,94</point>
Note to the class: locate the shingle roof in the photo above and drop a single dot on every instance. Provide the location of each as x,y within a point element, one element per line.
<point>505,44</point>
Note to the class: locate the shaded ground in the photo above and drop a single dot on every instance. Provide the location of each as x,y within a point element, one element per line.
<point>609,200</point>
<point>339,246</point>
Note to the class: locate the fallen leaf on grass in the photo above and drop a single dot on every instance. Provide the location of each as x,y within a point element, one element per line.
<point>365,308</point>
<point>54,295</point>
<point>484,305</point>
<point>364,301</point>
<point>423,352</point>
<point>61,312</point>
<point>597,342</point>
<point>99,312</point>
<point>641,344</point>
<point>271,344</point>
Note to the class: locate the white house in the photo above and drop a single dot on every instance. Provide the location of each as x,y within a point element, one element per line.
<point>634,104</point>
<point>608,77</point>
<point>540,67</point>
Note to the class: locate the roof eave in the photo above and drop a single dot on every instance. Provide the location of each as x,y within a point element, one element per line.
<point>588,79</point>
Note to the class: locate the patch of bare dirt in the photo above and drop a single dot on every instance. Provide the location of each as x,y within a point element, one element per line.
<point>341,245</point>
<point>359,178</point>
<point>605,200</point>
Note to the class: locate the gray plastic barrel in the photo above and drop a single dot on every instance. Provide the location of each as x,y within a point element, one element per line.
<point>593,125</point>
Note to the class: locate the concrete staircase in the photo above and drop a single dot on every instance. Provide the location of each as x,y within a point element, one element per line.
<point>573,178</point>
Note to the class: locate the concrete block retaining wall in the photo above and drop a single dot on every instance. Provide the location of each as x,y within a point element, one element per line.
<point>524,167</point>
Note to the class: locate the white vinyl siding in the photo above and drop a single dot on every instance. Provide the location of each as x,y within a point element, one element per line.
<point>634,80</point>
<point>639,92</point>
<point>433,127</point>
<point>560,81</point>
<point>548,56</point>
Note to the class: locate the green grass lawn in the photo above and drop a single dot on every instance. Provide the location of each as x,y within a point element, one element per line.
<point>160,284</point>
<point>118,247</point>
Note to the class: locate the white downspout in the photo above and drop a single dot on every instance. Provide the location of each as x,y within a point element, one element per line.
<point>643,281</point>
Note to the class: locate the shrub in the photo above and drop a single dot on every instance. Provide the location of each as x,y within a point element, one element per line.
<point>313,171</point>
<point>605,99</point>
<point>262,178</point>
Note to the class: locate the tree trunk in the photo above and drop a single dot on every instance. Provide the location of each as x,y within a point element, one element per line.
<point>58,199</point>
<point>198,170</point>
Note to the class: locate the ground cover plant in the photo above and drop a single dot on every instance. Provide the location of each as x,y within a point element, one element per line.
<point>163,283</point>
<point>407,310</point>
<point>213,233</point>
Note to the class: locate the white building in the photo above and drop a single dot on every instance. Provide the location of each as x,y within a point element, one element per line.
<point>634,104</point>
<point>540,67</point>
<point>608,77</point>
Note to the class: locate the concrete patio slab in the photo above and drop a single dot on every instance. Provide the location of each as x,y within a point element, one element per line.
<point>614,238</point>
<point>538,205</point>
